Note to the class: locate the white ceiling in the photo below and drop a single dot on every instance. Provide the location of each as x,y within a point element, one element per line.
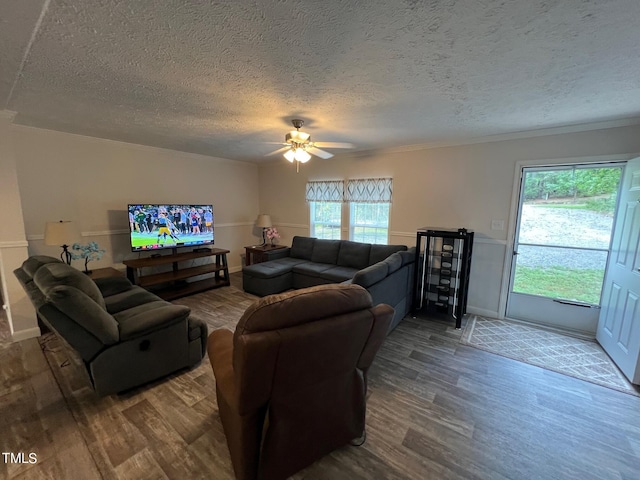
<point>220,78</point>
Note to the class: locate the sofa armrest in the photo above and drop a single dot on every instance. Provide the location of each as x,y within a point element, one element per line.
<point>112,285</point>
<point>150,317</point>
<point>220,350</point>
<point>242,429</point>
<point>371,275</point>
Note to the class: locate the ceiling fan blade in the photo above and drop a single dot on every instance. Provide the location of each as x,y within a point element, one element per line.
<point>319,153</point>
<point>280,150</point>
<point>334,144</point>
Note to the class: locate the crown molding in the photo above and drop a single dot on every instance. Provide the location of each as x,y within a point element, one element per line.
<point>502,137</point>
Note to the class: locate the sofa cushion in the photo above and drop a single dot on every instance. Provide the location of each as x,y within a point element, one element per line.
<point>339,274</point>
<point>289,261</point>
<point>32,264</point>
<point>112,285</point>
<point>149,317</point>
<point>56,274</point>
<point>312,269</point>
<point>133,297</point>
<point>394,262</point>
<point>380,252</point>
<point>325,251</point>
<point>84,311</point>
<point>302,247</point>
<point>270,269</point>
<point>370,275</point>
<point>354,254</point>
<point>267,286</point>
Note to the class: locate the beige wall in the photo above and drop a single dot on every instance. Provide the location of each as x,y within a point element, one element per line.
<point>49,176</point>
<point>13,244</point>
<point>465,186</point>
<point>90,181</point>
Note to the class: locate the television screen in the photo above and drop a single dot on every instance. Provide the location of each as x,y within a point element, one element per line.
<point>153,227</point>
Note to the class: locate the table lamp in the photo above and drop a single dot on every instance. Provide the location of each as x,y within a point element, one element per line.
<point>60,233</point>
<point>263,221</point>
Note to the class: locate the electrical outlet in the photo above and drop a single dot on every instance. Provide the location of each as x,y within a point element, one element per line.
<point>497,224</point>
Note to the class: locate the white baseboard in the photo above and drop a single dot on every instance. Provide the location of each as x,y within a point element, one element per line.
<point>483,312</point>
<point>25,334</point>
<point>235,269</point>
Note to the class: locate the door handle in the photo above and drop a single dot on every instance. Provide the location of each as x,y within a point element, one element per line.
<point>576,304</point>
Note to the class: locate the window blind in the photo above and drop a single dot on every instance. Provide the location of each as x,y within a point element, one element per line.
<point>326,191</point>
<point>369,190</point>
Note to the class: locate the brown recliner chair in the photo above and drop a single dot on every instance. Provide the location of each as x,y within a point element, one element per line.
<point>291,381</point>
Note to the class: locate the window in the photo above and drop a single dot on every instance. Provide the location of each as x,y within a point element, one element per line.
<point>370,201</point>
<point>564,231</point>
<point>325,208</point>
<point>369,206</point>
<point>369,222</point>
<point>326,220</point>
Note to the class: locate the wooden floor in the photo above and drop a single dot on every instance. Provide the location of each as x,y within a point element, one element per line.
<point>437,409</point>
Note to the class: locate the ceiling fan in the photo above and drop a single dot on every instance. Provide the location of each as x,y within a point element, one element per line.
<point>299,147</point>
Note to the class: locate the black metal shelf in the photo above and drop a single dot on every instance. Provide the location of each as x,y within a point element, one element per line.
<point>441,276</point>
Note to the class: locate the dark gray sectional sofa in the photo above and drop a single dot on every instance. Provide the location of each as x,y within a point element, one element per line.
<point>124,335</point>
<point>386,271</point>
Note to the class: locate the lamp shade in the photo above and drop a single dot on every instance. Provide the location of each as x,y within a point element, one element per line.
<point>263,221</point>
<point>302,155</point>
<point>59,233</point>
<point>290,155</point>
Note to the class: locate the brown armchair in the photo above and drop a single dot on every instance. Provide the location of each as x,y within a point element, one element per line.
<point>291,381</point>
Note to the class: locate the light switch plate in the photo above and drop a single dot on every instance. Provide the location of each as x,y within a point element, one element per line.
<point>497,224</point>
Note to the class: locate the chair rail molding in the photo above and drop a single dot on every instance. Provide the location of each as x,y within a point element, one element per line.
<point>15,244</point>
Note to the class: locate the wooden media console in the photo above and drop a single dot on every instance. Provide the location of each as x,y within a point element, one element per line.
<point>173,284</point>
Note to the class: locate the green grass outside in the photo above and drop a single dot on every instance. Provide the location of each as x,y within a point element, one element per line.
<point>560,282</point>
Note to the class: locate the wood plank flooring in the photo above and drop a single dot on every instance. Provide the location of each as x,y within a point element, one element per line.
<point>436,409</point>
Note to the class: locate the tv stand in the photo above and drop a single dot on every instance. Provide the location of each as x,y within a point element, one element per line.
<point>173,284</point>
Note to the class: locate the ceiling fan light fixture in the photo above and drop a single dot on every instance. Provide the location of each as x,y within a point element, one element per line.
<point>302,155</point>
<point>296,136</point>
<point>290,155</point>
<point>298,147</point>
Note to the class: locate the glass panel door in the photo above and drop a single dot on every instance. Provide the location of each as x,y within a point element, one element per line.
<point>562,244</point>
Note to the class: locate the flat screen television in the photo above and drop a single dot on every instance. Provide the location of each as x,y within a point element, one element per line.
<point>158,226</point>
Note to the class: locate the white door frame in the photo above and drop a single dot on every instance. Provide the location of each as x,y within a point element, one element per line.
<point>515,202</point>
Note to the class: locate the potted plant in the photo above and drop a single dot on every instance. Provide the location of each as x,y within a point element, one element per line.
<point>89,252</point>
<point>271,234</point>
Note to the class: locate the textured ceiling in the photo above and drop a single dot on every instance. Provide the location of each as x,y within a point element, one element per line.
<point>221,78</point>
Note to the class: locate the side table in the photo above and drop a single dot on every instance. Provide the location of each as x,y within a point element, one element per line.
<point>260,253</point>
<point>107,272</point>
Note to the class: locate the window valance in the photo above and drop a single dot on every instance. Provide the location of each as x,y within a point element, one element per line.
<point>369,190</point>
<point>325,191</point>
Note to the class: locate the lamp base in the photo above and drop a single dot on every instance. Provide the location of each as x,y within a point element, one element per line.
<point>65,256</point>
